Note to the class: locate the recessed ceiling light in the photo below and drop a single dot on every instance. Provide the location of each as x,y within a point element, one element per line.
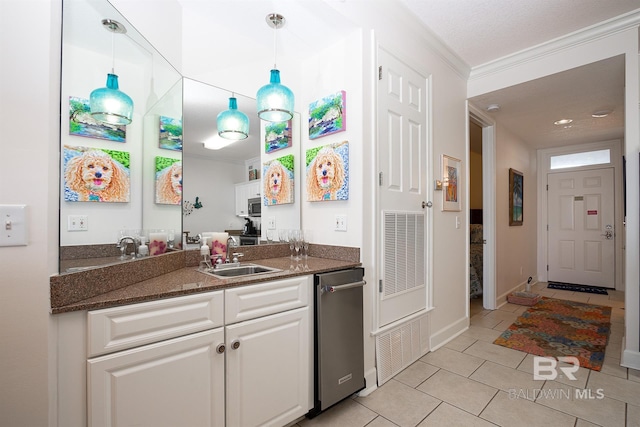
<point>492,108</point>
<point>601,113</point>
<point>563,122</point>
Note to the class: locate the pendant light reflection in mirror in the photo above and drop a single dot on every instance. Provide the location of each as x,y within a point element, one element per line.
<point>232,123</point>
<point>109,104</point>
<point>275,101</point>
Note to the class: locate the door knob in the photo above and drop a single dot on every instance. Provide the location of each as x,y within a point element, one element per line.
<point>427,204</point>
<point>220,348</point>
<point>235,345</point>
<point>608,235</point>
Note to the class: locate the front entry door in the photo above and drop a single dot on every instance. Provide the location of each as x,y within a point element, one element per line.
<point>581,228</point>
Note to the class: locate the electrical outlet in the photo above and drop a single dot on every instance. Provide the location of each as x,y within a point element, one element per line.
<point>77,223</point>
<point>341,223</point>
<point>271,223</point>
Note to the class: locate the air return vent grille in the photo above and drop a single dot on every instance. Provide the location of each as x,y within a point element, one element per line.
<point>403,252</point>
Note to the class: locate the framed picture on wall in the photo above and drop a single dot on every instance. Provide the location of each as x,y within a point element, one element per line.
<point>516,193</point>
<point>451,168</point>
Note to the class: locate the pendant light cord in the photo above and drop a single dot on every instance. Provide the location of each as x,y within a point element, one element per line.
<point>275,43</point>
<point>113,52</point>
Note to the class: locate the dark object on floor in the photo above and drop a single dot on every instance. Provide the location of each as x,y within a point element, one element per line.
<point>577,288</point>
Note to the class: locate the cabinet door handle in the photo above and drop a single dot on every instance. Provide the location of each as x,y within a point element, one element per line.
<point>220,348</point>
<point>235,344</point>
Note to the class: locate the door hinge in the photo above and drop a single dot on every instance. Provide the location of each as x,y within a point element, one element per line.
<point>380,72</point>
<point>547,227</point>
<point>380,179</point>
<point>380,286</point>
<point>547,187</point>
<point>547,267</point>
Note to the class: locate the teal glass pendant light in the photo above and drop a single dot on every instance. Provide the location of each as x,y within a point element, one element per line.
<point>233,124</point>
<point>109,104</point>
<point>275,101</point>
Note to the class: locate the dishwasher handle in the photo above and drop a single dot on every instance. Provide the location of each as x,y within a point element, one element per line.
<point>342,287</point>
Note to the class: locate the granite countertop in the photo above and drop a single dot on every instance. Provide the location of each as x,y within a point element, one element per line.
<point>72,295</point>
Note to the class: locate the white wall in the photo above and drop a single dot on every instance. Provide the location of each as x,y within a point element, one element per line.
<point>516,248</point>
<point>29,90</point>
<point>214,183</point>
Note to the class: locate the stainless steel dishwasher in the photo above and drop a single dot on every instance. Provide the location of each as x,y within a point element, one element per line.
<point>339,341</point>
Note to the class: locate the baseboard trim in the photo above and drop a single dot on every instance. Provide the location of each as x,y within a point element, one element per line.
<point>448,333</point>
<point>629,358</point>
<point>371,380</point>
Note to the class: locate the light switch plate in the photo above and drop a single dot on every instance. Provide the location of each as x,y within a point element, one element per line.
<point>77,223</point>
<point>341,223</point>
<point>13,226</point>
<point>271,223</point>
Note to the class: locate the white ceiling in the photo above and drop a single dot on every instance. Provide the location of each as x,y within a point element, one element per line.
<point>482,31</point>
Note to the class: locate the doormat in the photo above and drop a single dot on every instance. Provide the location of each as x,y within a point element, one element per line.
<point>555,328</point>
<point>577,288</point>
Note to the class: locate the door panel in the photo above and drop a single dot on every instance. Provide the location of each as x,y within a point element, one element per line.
<point>402,154</point>
<point>581,221</point>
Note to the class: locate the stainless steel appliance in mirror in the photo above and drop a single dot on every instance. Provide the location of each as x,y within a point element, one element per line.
<point>223,178</point>
<point>96,157</point>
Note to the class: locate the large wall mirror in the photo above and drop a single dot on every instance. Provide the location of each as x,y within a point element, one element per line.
<point>128,158</point>
<point>214,177</point>
<point>221,179</point>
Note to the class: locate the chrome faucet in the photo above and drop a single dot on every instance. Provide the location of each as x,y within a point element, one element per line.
<point>229,245</point>
<point>133,240</point>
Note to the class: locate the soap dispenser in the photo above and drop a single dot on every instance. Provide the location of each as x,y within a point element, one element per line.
<point>143,249</point>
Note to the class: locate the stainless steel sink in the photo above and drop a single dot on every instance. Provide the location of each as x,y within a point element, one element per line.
<point>241,270</point>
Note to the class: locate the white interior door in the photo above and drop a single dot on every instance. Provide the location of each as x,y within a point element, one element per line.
<point>581,232</point>
<point>402,162</point>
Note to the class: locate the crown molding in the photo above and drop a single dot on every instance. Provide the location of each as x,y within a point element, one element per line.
<point>579,37</point>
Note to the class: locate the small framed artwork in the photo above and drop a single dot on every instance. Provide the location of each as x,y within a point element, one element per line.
<point>168,181</point>
<point>451,168</point>
<point>95,175</point>
<point>170,133</point>
<point>328,115</point>
<point>277,136</point>
<point>278,181</point>
<point>516,193</point>
<point>328,172</point>
<point>81,123</point>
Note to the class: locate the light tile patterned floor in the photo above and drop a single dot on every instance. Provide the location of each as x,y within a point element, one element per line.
<point>473,382</point>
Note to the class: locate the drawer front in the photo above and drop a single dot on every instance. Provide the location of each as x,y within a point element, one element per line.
<point>120,328</point>
<point>253,301</point>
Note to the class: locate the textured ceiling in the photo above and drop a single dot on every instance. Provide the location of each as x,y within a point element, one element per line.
<point>483,31</point>
<point>480,31</point>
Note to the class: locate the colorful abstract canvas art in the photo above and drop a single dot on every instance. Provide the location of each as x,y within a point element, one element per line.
<point>81,123</point>
<point>95,175</point>
<point>278,181</point>
<point>170,133</point>
<point>277,136</point>
<point>328,172</point>
<point>168,181</point>
<point>328,115</point>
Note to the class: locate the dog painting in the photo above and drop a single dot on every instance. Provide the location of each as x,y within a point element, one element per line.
<point>168,181</point>
<point>328,172</point>
<point>95,175</point>
<point>278,182</point>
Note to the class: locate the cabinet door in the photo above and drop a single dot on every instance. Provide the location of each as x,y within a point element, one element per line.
<point>179,382</point>
<point>253,189</point>
<point>241,200</point>
<point>268,374</point>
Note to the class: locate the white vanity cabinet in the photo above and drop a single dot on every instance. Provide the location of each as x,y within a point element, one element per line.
<point>244,192</point>
<point>177,379</point>
<point>237,357</point>
<point>269,352</point>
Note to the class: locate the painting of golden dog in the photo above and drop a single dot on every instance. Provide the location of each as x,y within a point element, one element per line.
<point>328,172</point>
<point>96,175</point>
<point>277,180</point>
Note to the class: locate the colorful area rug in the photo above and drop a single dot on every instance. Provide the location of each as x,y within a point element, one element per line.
<point>555,328</point>
<point>577,288</point>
